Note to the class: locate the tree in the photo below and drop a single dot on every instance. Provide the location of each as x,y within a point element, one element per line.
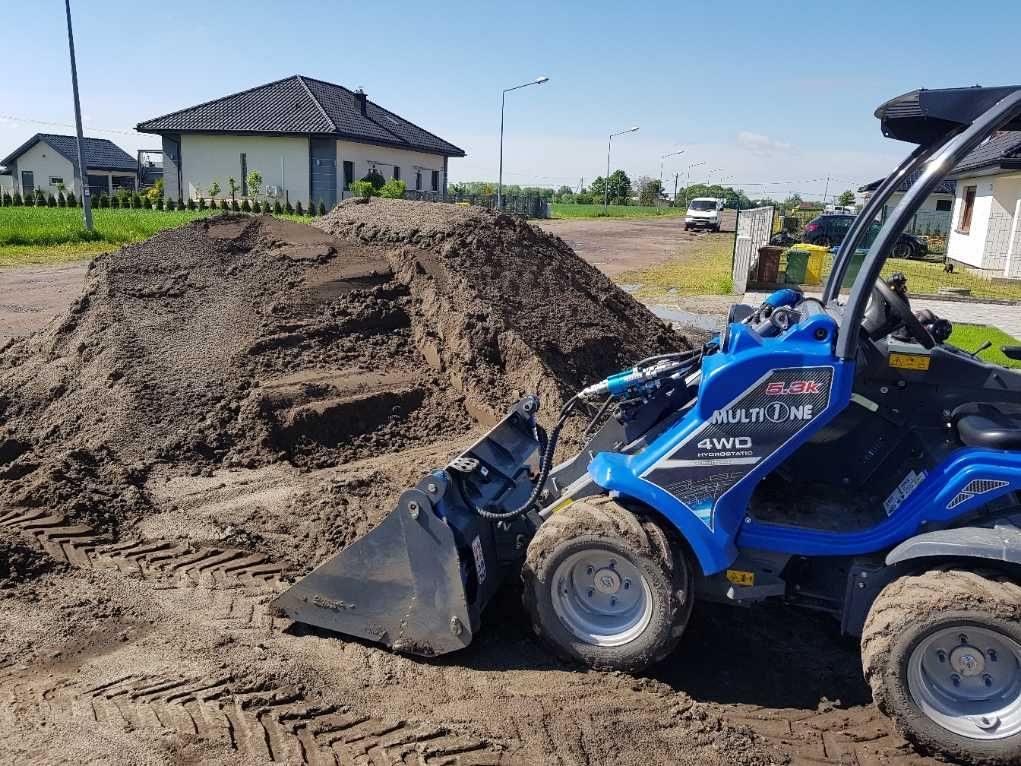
<point>254,183</point>
<point>233,186</point>
<point>649,190</point>
<point>619,187</point>
<point>793,200</point>
<point>213,190</point>
<point>393,189</point>
<point>846,198</point>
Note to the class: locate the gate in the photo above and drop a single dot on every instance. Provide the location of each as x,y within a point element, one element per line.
<point>753,229</point>
<point>322,154</point>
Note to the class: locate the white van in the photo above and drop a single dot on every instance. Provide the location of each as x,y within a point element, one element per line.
<point>703,213</point>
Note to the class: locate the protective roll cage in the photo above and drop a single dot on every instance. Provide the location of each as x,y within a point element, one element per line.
<point>947,125</point>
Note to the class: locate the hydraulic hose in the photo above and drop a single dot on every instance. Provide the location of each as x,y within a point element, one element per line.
<point>545,466</point>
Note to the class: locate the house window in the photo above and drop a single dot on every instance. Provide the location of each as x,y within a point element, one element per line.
<point>54,180</point>
<point>944,205</point>
<point>244,174</point>
<point>436,180</point>
<point>964,225</point>
<point>418,180</point>
<point>397,173</point>
<point>349,174</point>
<point>27,182</point>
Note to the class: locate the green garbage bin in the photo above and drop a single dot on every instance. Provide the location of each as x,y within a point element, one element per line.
<point>797,265</point>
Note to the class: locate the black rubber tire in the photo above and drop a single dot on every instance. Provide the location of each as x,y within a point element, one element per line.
<point>911,608</point>
<point>823,241</point>
<point>903,251</point>
<point>600,522</point>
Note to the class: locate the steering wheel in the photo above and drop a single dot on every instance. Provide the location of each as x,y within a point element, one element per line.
<point>901,310</point>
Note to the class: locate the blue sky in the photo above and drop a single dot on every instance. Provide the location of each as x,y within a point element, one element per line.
<point>772,96</point>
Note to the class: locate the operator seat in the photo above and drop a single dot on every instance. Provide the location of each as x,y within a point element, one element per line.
<point>984,425</point>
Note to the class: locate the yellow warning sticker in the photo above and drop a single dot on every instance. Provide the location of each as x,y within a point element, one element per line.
<point>561,505</point>
<point>910,361</point>
<point>739,577</point>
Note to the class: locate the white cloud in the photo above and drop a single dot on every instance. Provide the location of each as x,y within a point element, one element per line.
<point>762,145</point>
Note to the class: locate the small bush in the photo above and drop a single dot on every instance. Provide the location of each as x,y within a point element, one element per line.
<point>322,208</point>
<point>136,200</point>
<point>115,202</point>
<point>277,207</point>
<point>40,198</point>
<point>170,204</point>
<point>6,200</point>
<point>266,207</point>
<point>202,203</point>
<point>16,199</point>
<point>61,200</point>
<point>51,201</point>
<point>223,205</point>
<point>104,200</point>
<point>160,204</point>
<point>289,208</point>
<point>362,188</point>
<point>393,189</point>
<point>298,209</point>
<point>71,200</point>
<point>245,207</point>
<point>191,203</point>
<point>235,206</point>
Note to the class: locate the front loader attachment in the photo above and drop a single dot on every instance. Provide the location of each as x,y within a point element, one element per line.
<point>418,582</point>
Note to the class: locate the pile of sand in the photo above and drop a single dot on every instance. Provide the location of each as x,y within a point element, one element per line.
<point>244,342</point>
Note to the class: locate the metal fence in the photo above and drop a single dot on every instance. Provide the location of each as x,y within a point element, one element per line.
<point>753,229</point>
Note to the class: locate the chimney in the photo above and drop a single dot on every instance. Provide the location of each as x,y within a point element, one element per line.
<point>360,99</point>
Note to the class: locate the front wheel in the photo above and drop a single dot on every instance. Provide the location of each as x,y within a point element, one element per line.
<point>903,250</point>
<point>605,587</point>
<point>942,653</point>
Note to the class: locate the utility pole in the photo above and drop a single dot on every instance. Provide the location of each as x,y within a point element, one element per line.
<point>503,103</point>
<point>82,175</point>
<point>826,193</point>
<point>675,188</point>
<point>606,181</point>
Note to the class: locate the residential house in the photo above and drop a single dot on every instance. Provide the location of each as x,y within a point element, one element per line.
<point>49,162</point>
<point>308,139</point>
<point>933,216</point>
<point>986,232</point>
<point>6,181</point>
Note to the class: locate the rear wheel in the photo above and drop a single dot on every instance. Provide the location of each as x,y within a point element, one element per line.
<point>605,587</point>
<point>903,250</point>
<point>823,241</point>
<point>942,653</point>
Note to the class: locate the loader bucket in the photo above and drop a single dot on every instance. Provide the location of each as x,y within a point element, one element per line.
<point>418,581</point>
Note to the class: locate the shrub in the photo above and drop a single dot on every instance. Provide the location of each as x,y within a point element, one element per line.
<point>202,203</point>
<point>159,203</point>
<point>136,200</point>
<point>104,201</point>
<point>223,205</point>
<point>16,199</point>
<point>61,200</point>
<point>115,202</point>
<point>289,209</point>
<point>235,206</point>
<point>298,209</point>
<point>51,201</point>
<point>393,189</point>
<point>277,207</point>
<point>265,206</point>
<point>191,203</point>
<point>170,204</point>
<point>254,181</point>
<point>362,189</point>
<point>40,198</point>
<point>71,200</point>
<point>245,207</point>
<point>6,200</point>
<point>322,208</point>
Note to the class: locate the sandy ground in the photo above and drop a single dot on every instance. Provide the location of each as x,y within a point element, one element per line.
<point>31,296</point>
<point>614,245</point>
<point>159,648</point>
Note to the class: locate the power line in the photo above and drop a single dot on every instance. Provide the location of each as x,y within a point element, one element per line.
<point>14,118</point>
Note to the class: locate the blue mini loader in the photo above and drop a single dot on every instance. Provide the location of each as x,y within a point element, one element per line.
<point>834,453</point>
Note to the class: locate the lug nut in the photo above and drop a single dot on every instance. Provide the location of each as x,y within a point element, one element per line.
<point>991,654</point>
<point>613,602</point>
<point>413,509</point>
<point>956,679</point>
<point>589,571</point>
<point>627,584</point>
<point>591,592</point>
<point>432,487</point>
<point>941,656</point>
<point>963,638</point>
<point>988,679</point>
<point>613,564</point>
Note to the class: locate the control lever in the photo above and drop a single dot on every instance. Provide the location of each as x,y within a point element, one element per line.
<point>980,349</point>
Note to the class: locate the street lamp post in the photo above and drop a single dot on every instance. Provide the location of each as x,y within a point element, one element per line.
<point>687,182</point>
<point>606,180</point>
<point>503,101</point>
<point>709,177</point>
<point>663,157</point>
<point>86,201</point>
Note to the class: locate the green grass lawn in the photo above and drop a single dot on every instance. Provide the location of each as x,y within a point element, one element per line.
<point>30,235</point>
<point>566,210</point>
<point>970,336</point>
<point>705,271</point>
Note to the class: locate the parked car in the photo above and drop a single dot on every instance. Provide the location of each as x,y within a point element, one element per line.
<point>703,213</point>
<point>829,230</point>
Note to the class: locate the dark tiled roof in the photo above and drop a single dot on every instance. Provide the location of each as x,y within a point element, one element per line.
<point>1002,146</point>
<point>301,106</point>
<point>943,187</point>
<point>99,153</point>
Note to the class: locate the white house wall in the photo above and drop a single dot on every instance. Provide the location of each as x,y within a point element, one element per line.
<point>207,158</point>
<point>987,244</point>
<point>969,248</point>
<point>383,158</point>
<point>7,184</point>
<point>45,162</point>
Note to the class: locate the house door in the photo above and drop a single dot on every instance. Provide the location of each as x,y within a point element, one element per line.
<point>27,182</point>
<point>323,171</point>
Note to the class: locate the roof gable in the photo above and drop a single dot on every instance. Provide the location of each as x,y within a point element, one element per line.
<point>1000,148</point>
<point>945,186</point>
<point>303,106</point>
<point>98,153</point>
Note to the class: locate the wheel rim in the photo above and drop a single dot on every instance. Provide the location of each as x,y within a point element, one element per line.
<point>601,597</point>
<point>967,679</point>
<point>901,250</point>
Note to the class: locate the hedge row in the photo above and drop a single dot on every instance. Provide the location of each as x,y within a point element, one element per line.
<point>137,201</point>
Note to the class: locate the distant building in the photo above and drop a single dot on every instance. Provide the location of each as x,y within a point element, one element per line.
<point>986,231</point>
<point>308,138</point>
<point>48,161</point>
<point>933,215</point>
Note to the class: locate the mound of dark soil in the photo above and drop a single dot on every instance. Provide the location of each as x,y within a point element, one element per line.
<point>244,341</point>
